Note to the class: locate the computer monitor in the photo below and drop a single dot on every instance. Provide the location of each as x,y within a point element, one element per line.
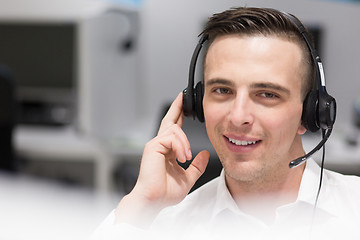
<point>42,59</point>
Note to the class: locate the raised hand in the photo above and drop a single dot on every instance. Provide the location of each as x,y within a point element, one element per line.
<point>162,182</point>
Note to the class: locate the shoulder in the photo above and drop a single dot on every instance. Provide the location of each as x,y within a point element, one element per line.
<point>203,197</point>
<point>341,181</point>
<point>198,203</point>
<point>344,189</point>
<point>204,193</point>
<point>334,182</point>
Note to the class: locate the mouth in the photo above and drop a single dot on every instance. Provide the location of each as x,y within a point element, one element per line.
<point>242,142</point>
<point>241,145</point>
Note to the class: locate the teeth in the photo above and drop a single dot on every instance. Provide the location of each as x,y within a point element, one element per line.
<point>241,143</point>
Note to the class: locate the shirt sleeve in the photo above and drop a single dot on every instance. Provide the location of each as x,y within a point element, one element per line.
<point>109,230</point>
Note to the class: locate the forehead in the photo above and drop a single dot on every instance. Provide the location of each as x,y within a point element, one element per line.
<point>260,58</point>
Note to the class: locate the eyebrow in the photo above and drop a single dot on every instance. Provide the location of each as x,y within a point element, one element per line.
<point>271,86</point>
<point>219,81</point>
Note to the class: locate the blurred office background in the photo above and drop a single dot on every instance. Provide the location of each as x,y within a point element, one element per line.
<point>84,84</point>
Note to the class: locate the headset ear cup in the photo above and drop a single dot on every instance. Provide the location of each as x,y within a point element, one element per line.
<point>188,103</point>
<point>199,93</point>
<point>310,118</point>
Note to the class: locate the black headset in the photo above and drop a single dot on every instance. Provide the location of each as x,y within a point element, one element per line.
<point>319,108</point>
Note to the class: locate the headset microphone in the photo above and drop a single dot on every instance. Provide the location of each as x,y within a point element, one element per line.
<point>302,159</point>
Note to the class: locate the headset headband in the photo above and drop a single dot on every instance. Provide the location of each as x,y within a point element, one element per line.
<point>326,103</point>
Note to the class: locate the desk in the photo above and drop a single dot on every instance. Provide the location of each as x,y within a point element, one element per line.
<point>38,143</point>
<point>53,144</point>
<point>47,142</point>
<point>66,144</point>
<point>35,209</point>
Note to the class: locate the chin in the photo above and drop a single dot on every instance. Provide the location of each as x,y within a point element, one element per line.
<point>243,171</point>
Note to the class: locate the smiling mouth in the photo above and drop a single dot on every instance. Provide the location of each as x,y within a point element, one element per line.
<point>241,142</point>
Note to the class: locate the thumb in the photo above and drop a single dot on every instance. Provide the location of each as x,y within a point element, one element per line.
<point>197,167</point>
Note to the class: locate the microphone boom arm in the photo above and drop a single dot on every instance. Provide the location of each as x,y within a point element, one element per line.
<point>302,159</point>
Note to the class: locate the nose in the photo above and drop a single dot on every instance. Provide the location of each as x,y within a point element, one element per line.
<point>241,110</point>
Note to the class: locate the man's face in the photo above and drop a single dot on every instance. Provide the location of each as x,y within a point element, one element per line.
<point>252,104</point>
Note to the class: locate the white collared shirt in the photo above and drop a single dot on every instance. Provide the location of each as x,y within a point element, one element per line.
<point>210,212</point>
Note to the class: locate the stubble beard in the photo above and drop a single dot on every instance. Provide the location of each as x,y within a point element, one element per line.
<point>253,172</point>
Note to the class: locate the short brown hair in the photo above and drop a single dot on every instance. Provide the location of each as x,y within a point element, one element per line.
<point>266,22</point>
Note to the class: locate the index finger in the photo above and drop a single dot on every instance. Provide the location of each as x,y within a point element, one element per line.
<point>174,115</point>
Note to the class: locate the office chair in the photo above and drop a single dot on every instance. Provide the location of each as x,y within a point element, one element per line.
<point>7,119</point>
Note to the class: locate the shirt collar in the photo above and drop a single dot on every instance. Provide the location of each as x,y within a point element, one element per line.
<point>223,199</point>
<point>310,185</point>
<point>309,182</point>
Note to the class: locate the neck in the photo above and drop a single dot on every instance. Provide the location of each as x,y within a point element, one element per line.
<point>261,197</point>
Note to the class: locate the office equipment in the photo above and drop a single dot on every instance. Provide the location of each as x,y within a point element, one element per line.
<point>7,120</point>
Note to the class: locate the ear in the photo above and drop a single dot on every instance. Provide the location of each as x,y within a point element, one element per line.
<point>301,130</point>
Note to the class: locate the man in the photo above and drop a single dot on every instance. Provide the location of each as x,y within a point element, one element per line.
<point>257,74</point>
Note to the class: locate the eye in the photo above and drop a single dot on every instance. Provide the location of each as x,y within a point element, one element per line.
<point>222,91</point>
<point>268,95</point>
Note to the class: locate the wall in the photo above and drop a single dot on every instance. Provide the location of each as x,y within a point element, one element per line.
<point>170,30</point>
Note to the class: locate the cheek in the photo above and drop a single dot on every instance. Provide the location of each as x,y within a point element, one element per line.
<point>215,111</point>
<point>286,122</point>
<point>214,115</point>
<point>283,120</point>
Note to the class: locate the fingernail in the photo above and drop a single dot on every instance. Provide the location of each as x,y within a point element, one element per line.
<point>189,154</point>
